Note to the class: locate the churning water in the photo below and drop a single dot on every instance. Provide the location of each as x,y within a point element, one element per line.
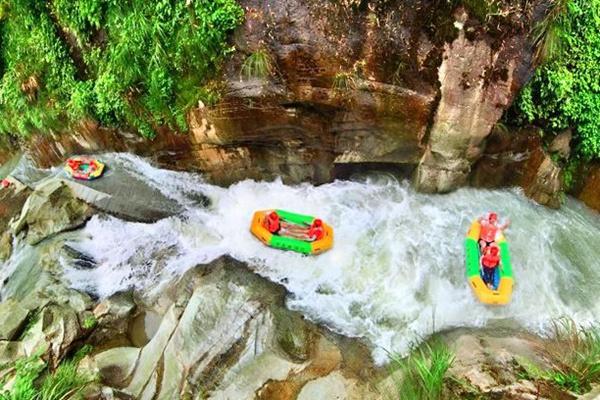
<point>397,268</point>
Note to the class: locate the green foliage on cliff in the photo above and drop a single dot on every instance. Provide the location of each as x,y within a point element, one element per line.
<point>574,357</point>
<point>136,63</point>
<point>422,372</point>
<point>565,90</point>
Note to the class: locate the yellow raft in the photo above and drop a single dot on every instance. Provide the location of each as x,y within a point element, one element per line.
<point>503,281</point>
<point>259,230</point>
<point>84,168</point>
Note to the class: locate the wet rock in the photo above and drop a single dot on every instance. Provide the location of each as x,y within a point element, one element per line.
<point>12,319</point>
<point>213,322</point>
<point>116,366</point>
<point>561,144</point>
<point>258,362</point>
<point>294,336</point>
<point>11,203</point>
<point>546,187</point>
<point>332,386</point>
<point>5,246</point>
<point>325,358</point>
<point>56,329</point>
<point>10,352</point>
<point>508,158</point>
<point>122,193</point>
<point>144,377</point>
<point>50,209</point>
<point>589,192</point>
<point>226,333</point>
<point>115,309</point>
<point>490,363</point>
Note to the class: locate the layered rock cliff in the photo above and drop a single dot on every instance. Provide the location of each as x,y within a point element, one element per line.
<point>413,86</point>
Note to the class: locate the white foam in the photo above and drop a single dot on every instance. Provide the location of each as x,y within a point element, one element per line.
<point>397,264</point>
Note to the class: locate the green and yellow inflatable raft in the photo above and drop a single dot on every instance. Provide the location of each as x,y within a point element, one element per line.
<point>503,282</point>
<point>259,230</point>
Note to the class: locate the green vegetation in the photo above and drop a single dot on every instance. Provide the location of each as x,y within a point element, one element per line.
<point>482,9</point>
<point>32,381</point>
<point>422,372</point>
<point>574,354</point>
<point>134,64</point>
<point>89,322</point>
<point>258,65</point>
<point>565,90</point>
<point>343,82</point>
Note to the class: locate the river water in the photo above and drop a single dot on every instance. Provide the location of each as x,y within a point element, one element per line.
<point>396,272</point>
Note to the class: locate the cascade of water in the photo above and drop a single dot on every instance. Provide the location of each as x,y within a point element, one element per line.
<point>397,263</point>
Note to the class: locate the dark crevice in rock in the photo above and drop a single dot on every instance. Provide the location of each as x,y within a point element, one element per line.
<point>351,171</point>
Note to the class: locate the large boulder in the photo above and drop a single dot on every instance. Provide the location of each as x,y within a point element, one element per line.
<point>227,334</point>
<point>12,319</point>
<point>115,366</point>
<point>50,209</point>
<point>113,316</point>
<point>56,330</point>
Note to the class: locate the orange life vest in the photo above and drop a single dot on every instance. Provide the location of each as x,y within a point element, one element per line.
<point>488,231</point>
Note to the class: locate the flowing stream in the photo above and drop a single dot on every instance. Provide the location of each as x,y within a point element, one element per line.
<point>396,272</point>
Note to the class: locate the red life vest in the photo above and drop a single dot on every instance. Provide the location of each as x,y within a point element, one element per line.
<point>272,222</point>
<point>316,232</point>
<point>488,231</point>
<point>74,164</point>
<point>490,260</point>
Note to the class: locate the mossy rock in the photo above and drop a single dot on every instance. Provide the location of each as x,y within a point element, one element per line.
<point>294,335</point>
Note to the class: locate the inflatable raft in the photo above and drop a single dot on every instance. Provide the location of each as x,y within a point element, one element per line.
<point>503,281</point>
<point>84,168</point>
<point>283,242</point>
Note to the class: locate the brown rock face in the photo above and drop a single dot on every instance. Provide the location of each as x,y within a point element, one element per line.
<point>590,192</point>
<point>380,83</point>
<point>517,158</point>
<point>545,188</point>
<point>509,159</point>
<point>477,82</point>
<point>395,83</point>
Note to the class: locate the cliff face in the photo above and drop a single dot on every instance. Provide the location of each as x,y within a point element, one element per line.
<point>416,86</point>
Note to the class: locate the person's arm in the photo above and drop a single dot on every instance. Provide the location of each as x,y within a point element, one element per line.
<point>506,225</point>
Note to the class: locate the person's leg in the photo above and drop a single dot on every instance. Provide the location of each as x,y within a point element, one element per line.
<point>487,275</point>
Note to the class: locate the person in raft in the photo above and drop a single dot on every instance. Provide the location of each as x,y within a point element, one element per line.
<point>490,260</point>
<point>74,164</point>
<point>278,227</point>
<point>490,229</point>
<point>316,231</point>
<point>273,223</point>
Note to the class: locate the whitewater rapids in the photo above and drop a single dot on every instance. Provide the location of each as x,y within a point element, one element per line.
<point>396,272</point>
